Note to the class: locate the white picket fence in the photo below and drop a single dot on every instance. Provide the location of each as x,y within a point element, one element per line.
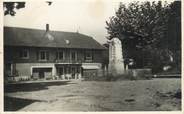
<point>18,78</point>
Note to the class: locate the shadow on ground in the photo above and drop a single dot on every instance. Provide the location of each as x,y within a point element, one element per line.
<point>26,87</point>
<point>14,104</point>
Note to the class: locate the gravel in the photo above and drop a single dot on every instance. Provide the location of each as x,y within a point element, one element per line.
<point>138,95</point>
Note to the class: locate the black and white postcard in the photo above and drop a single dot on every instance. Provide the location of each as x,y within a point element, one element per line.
<point>92,56</point>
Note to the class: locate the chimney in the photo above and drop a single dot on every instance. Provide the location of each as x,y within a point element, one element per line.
<point>47,27</point>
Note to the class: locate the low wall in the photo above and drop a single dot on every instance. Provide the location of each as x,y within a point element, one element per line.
<point>141,73</point>
<point>131,74</point>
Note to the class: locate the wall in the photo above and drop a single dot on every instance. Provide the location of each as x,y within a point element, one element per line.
<point>23,66</point>
<point>24,69</point>
<point>12,55</point>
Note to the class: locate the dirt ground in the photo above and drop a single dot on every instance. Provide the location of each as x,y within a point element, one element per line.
<point>139,95</point>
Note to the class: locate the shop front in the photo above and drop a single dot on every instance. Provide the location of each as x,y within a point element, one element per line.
<point>68,71</point>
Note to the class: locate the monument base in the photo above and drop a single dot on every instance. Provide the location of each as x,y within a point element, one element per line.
<point>116,68</point>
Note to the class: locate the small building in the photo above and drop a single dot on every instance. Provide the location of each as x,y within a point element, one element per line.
<point>45,54</point>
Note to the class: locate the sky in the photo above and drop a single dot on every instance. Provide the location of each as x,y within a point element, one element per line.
<point>83,16</point>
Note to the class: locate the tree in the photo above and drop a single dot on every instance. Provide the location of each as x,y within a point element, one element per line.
<point>174,33</point>
<point>146,20</point>
<point>9,7</point>
<point>143,27</point>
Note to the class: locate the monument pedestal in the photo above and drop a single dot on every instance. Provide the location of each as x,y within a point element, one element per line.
<point>116,68</point>
<point>116,63</point>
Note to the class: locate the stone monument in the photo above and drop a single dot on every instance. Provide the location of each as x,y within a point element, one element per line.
<point>116,63</point>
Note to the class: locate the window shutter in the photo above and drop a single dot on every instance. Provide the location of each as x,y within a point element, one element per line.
<point>47,54</point>
<point>56,55</point>
<point>20,53</point>
<point>63,55</point>
<point>76,55</point>
<point>37,55</point>
<point>84,55</point>
<point>92,55</point>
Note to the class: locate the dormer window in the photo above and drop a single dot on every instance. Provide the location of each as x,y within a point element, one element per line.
<point>24,54</point>
<point>67,42</point>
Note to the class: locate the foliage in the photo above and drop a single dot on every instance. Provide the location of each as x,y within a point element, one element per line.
<point>9,7</point>
<point>147,21</point>
<point>144,27</point>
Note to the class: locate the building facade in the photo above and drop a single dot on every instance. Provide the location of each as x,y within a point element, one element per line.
<point>44,54</point>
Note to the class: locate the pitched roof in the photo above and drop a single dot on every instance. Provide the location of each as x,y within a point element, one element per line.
<point>14,36</point>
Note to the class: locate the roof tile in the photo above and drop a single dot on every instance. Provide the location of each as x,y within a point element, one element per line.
<point>14,36</point>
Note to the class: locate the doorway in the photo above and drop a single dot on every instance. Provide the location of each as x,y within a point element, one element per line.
<point>60,71</point>
<point>41,73</point>
<point>73,72</point>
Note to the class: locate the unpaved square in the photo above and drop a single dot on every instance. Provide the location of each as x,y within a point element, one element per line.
<point>139,95</point>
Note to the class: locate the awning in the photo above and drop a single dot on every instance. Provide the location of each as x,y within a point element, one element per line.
<point>90,67</point>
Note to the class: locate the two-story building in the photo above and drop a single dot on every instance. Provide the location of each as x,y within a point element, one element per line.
<point>46,54</point>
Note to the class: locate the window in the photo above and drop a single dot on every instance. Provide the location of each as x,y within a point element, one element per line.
<point>88,56</point>
<point>60,55</point>
<point>8,69</point>
<point>24,54</point>
<point>60,71</point>
<point>43,55</point>
<point>73,55</point>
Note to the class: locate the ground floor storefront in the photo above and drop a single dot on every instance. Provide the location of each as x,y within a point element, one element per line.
<point>48,71</point>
